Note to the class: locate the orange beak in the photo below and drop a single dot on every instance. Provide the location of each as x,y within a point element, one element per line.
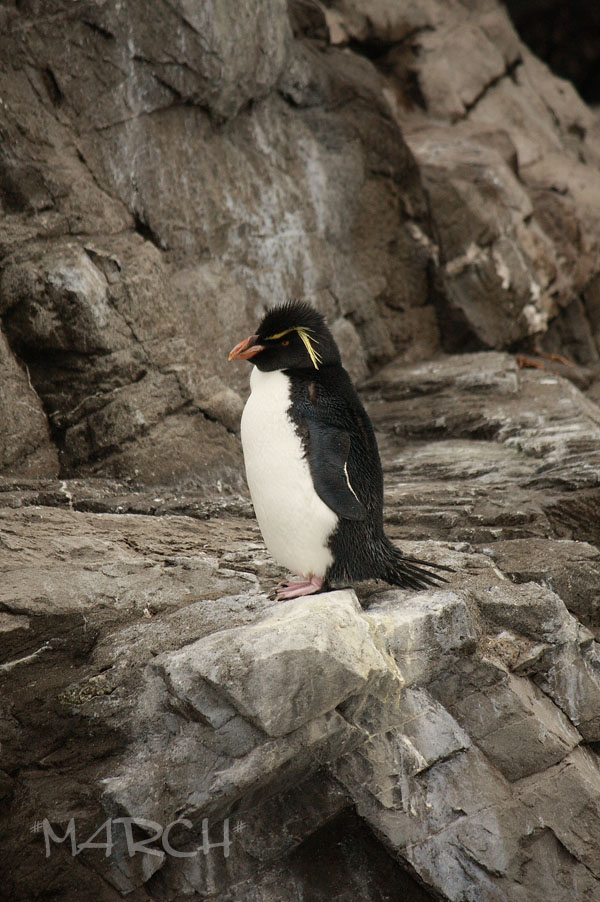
<point>246,349</point>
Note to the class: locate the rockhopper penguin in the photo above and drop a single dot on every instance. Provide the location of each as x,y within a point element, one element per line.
<point>312,461</point>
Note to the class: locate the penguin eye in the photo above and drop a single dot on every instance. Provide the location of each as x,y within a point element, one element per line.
<point>286,342</point>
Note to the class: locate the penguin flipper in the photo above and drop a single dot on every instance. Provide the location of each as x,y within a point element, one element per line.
<point>328,452</point>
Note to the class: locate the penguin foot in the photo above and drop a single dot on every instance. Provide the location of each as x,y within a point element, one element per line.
<point>294,588</point>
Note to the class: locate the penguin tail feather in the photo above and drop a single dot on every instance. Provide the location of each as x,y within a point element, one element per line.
<point>411,572</point>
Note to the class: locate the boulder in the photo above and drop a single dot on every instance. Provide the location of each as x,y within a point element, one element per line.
<point>322,650</point>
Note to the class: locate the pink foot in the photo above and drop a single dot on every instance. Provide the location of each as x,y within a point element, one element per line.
<point>295,588</point>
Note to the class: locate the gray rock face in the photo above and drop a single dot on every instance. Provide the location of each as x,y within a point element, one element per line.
<point>491,131</point>
<point>416,174</point>
<point>321,653</point>
<point>232,149</point>
<point>460,723</point>
<point>25,444</point>
<point>245,158</point>
<point>572,569</point>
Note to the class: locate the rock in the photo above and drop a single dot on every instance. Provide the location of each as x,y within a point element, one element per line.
<point>409,733</point>
<point>571,676</point>
<point>175,296</point>
<point>270,767</point>
<point>572,331</point>
<point>348,341</point>
<point>214,57</point>
<point>531,610</point>
<point>422,637</point>
<point>298,814</point>
<point>209,272</point>
<point>421,697</point>
<point>61,303</point>
<point>73,304</point>
<point>359,863</point>
<point>409,757</point>
<point>25,443</point>
<point>115,564</point>
<point>571,569</point>
<point>508,250</point>
<point>489,839</point>
<point>244,664</point>
<point>483,251</point>
<point>572,781</point>
<point>530,429</point>
<point>517,727</point>
<point>428,802</point>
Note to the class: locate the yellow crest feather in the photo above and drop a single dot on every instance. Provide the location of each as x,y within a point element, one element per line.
<point>306,340</point>
<point>308,344</point>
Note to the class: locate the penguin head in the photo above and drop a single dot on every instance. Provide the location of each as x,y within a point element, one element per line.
<point>290,336</point>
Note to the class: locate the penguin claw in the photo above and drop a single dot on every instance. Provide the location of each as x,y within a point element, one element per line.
<point>296,588</point>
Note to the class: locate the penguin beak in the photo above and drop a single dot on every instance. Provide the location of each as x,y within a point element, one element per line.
<point>246,349</point>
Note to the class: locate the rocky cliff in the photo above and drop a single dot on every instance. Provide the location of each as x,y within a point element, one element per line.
<point>166,172</point>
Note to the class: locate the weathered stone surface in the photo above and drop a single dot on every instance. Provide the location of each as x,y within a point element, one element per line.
<point>530,429</point>
<point>342,856</point>
<point>415,733</point>
<point>99,100</point>
<point>106,566</point>
<point>212,783</point>
<point>25,444</point>
<point>298,814</point>
<point>571,676</point>
<point>493,132</point>
<point>322,650</point>
<point>516,726</point>
<point>569,789</point>
<point>531,610</point>
<point>494,850</point>
<point>415,704</point>
<point>571,569</point>
<point>423,636</point>
<point>173,298</point>
<point>213,57</point>
<point>549,419</point>
<point>426,802</point>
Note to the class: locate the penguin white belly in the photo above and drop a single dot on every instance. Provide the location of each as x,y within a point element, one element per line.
<point>294,521</point>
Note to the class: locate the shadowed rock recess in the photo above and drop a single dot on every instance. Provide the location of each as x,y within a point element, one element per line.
<point>167,170</point>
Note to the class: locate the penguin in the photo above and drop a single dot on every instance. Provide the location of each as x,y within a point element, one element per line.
<point>312,461</point>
